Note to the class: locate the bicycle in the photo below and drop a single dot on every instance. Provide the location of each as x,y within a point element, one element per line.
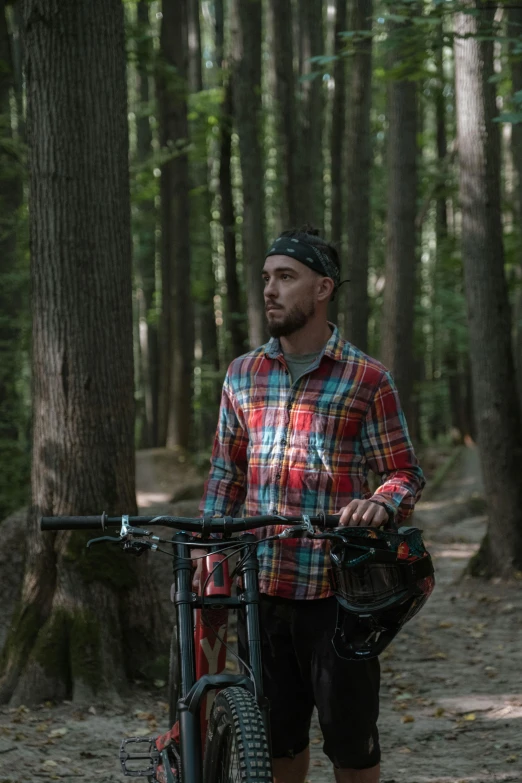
<point>233,727</point>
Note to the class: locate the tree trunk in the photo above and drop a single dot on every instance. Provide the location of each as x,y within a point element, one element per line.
<point>515,36</point>
<point>285,108</point>
<point>337,139</point>
<point>497,412</point>
<point>235,320</point>
<point>397,321</point>
<point>311,191</point>
<point>13,296</point>
<point>338,125</point>
<point>83,450</point>
<point>201,242</point>
<point>358,171</point>
<point>146,241</point>
<point>246,82</point>
<point>177,309</point>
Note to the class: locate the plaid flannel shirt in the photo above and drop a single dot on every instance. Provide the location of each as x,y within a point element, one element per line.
<point>306,448</point>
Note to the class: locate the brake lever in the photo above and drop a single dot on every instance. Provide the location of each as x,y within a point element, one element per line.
<point>304,527</point>
<point>110,539</point>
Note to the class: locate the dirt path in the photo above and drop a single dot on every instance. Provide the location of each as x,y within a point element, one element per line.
<point>451,708</point>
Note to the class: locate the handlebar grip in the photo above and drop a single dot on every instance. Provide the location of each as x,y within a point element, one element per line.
<point>72,523</point>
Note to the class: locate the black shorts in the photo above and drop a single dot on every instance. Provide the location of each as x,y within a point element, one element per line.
<point>301,670</point>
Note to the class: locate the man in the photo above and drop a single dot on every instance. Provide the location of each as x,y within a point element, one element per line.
<point>302,420</point>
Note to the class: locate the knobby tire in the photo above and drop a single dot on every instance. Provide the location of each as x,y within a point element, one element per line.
<point>236,748</point>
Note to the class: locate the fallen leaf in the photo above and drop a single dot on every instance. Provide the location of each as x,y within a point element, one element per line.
<point>408,719</point>
<point>469,716</point>
<point>439,712</point>
<point>57,733</point>
<point>160,683</point>
<point>445,624</point>
<point>49,764</point>
<point>92,710</point>
<point>511,759</point>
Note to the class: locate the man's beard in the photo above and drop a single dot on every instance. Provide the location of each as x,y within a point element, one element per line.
<point>297,317</point>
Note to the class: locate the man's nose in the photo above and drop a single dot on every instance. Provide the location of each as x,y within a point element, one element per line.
<point>269,289</point>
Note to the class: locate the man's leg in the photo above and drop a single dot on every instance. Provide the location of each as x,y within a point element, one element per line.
<point>370,775</point>
<point>292,770</point>
<point>346,694</point>
<point>290,696</point>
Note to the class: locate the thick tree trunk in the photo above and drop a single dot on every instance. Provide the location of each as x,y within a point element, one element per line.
<point>358,171</point>
<point>515,36</point>
<point>497,412</point>
<point>285,108</point>
<point>85,622</point>
<point>176,392</point>
<point>146,242</point>
<point>397,321</point>
<point>310,178</point>
<point>13,295</point>
<point>246,82</point>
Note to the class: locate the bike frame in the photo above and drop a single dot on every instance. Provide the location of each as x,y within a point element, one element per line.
<point>201,655</point>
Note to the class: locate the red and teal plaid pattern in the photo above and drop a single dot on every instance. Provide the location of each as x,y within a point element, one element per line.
<point>307,448</point>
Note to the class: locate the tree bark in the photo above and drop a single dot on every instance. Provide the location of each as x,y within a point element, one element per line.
<point>83,408</point>
<point>337,137</point>
<point>201,242</point>
<point>397,320</point>
<point>13,295</point>
<point>246,82</point>
<point>515,35</point>
<point>177,345</point>
<point>311,190</point>
<point>234,311</point>
<point>285,108</point>
<point>497,412</point>
<point>358,172</point>
<point>338,124</point>
<point>146,240</point>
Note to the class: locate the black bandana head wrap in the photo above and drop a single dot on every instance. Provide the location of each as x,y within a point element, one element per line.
<point>308,254</point>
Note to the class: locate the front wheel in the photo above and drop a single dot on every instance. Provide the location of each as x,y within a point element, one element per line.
<point>236,749</point>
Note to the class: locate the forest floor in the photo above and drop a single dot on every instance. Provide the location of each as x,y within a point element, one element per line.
<point>451,703</point>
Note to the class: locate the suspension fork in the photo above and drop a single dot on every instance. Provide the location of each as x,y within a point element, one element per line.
<point>190,736</point>
<point>249,571</point>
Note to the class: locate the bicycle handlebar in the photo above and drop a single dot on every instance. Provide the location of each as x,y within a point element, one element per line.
<point>190,524</point>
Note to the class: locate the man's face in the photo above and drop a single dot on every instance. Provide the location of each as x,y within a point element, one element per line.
<point>289,295</point>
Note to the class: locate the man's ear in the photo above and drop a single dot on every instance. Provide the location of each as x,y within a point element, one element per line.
<point>325,289</point>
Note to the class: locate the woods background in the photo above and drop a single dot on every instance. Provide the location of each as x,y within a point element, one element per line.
<point>149,152</point>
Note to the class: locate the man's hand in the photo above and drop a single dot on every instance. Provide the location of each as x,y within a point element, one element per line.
<point>363,513</point>
<point>197,562</point>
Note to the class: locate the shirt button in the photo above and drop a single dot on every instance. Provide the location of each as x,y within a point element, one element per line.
<point>278,475</point>
<point>283,441</point>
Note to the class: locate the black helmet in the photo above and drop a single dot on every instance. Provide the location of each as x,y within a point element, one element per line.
<point>381,579</point>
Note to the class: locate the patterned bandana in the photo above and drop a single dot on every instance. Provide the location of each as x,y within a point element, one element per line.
<point>309,255</point>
